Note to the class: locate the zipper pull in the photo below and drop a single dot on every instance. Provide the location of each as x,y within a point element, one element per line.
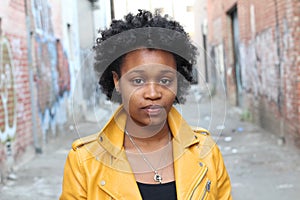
<point>208,185</point>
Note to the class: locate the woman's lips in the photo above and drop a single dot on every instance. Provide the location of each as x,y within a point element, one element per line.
<point>153,109</point>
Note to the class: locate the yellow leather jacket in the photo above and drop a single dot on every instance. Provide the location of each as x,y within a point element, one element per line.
<point>97,168</point>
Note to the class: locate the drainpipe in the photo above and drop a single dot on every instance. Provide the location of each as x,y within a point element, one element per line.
<point>112,9</point>
<point>280,75</point>
<point>37,146</point>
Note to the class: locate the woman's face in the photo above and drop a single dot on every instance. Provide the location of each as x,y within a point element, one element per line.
<point>148,85</point>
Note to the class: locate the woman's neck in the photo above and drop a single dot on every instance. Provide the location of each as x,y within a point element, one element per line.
<point>148,138</point>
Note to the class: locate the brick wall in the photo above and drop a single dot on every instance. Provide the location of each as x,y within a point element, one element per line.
<point>291,34</point>
<point>15,101</point>
<point>31,49</point>
<point>269,49</point>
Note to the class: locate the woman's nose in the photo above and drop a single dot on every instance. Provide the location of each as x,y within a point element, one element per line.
<point>152,91</point>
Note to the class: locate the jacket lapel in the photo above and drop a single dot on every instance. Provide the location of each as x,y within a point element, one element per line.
<point>117,178</point>
<point>189,172</point>
<point>188,168</point>
<point>119,184</point>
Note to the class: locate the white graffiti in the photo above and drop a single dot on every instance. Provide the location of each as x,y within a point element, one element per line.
<point>259,65</point>
<point>8,103</point>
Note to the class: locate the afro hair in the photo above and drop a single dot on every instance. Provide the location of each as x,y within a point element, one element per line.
<point>143,30</point>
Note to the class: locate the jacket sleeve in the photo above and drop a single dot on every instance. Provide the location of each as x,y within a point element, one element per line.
<point>74,183</point>
<point>223,180</point>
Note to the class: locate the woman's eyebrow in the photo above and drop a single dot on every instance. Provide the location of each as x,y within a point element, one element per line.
<point>169,70</point>
<point>138,71</point>
<point>142,71</point>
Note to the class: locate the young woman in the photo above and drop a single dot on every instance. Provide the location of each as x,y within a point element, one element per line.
<point>146,150</point>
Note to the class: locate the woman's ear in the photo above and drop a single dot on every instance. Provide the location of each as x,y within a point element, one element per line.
<point>116,81</point>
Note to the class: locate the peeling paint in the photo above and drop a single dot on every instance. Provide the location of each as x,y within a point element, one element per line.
<point>264,71</point>
<point>259,62</point>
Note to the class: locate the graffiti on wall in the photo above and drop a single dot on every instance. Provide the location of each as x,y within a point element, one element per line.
<point>259,61</point>
<point>8,102</point>
<point>264,69</point>
<point>52,75</point>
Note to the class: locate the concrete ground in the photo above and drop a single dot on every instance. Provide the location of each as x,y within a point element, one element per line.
<point>260,167</point>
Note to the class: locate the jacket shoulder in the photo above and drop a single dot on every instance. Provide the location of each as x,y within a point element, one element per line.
<point>83,141</point>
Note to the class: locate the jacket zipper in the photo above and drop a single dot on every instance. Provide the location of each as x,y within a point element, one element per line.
<point>199,183</point>
<point>207,189</point>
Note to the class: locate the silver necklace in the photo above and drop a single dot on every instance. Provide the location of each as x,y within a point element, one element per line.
<point>157,177</point>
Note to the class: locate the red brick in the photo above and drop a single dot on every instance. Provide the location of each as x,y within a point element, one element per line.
<point>288,16</point>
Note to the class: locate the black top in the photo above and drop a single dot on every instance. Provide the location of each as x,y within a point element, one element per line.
<point>166,191</point>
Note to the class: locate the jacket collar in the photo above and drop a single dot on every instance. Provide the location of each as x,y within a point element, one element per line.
<point>111,138</point>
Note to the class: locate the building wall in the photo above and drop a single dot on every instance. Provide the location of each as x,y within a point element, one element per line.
<point>91,18</point>
<point>49,67</point>
<point>35,78</point>
<point>200,39</point>
<point>86,24</point>
<point>71,44</point>
<point>268,54</point>
<point>181,11</point>
<point>15,99</point>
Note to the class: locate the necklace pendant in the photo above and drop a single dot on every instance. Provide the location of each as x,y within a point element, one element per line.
<point>157,177</point>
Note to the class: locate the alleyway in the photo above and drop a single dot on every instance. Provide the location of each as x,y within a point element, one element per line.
<point>259,168</point>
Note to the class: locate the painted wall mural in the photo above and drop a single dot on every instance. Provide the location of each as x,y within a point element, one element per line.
<point>52,74</point>
<point>8,102</point>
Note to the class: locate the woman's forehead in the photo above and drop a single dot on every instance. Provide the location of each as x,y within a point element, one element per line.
<point>143,59</point>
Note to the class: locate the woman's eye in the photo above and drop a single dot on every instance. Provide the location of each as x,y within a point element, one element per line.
<point>138,81</point>
<point>165,81</point>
